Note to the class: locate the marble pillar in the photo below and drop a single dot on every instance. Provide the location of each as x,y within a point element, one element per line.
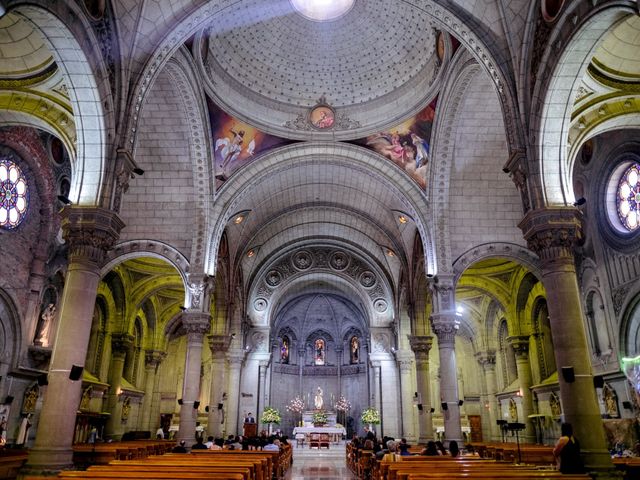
<point>152,360</point>
<point>421,345</point>
<point>405,364</point>
<point>520,345</point>
<point>445,326</point>
<point>552,233</point>
<point>487,361</point>
<point>376,401</point>
<point>219,345</point>
<point>195,325</point>
<point>121,344</point>
<point>235,359</point>
<point>89,232</point>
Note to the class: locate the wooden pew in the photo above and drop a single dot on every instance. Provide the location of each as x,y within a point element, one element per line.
<point>214,469</point>
<point>256,467</point>
<point>86,475</point>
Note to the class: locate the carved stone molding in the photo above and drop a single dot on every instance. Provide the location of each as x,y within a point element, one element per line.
<point>121,343</point>
<point>487,359</point>
<point>219,343</point>
<point>520,345</point>
<point>552,233</point>
<point>90,233</point>
<point>421,346</point>
<point>195,324</point>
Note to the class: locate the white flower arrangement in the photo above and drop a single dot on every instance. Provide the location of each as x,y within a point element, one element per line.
<point>296,405</point>
<point>343,404</point>
<point>370,415</point>
<point>271,415</point>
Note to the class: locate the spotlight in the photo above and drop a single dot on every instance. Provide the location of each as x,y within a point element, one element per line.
<point>196,404</point>
<point>206,409</point>
<point>444,406</point>
<point>76,372</point>
<point>42,380</point>
<point>598,381</point>
<point>580,201</point>
<point>138,171</point>
<point>64,199</point>
<point>179,401</point>
<point>420,406</point>
<point>460,403</point>
<point>568,374</point>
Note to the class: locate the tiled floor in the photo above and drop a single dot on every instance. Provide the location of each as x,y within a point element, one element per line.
<point>319,464</point>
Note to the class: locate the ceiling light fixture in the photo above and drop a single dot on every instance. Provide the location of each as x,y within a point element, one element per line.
<point>238,220</point>
<point>251,253</point>
<point>322,10</point>
<point>390,253</point>
<point>402,219</point>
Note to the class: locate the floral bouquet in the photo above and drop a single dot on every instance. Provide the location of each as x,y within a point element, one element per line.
<point>343,404</point>
<point>271,415</point>
<point>370,415</point>
<point>296,405</point>
<point>319,417</point>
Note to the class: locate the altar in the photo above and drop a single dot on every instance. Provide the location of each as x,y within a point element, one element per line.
<point>335,433</point>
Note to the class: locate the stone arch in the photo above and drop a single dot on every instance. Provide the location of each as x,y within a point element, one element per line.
<point>511,251</point>
<point>85,73</point>
<point>552,170</point>
<point>630,328</point>
<point>361,160</point>
<point>10,333</point>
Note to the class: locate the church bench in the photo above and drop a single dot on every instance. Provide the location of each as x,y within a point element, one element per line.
<point>247,472</point>
<point>450,465</point>
<point>87,475</point>
<point>271,467</point>
<point>495,476</point>
<point>256,466</point>
<point>11,461</point>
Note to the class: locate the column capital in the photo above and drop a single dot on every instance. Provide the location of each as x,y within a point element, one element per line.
<point>443,288</point>
<point>219,343</point>
<point>445,326</point>
<point>487,358</point>
<point>121,342</point>
<point>198,288</point>
<point>90,232</point>
<point>195,324</point>
<point>421,345</point>
<point>153,358</point>
<point>520,345</point>
<point>404,360</point>
<point>552,233</point>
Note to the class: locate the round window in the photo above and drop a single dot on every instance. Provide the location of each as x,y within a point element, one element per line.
<point>14,194</point>
<point>628,197</point>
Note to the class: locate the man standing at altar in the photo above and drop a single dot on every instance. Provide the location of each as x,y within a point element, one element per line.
<point>249,418</point>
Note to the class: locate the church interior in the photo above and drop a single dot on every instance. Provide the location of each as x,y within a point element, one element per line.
<point>428,210</point>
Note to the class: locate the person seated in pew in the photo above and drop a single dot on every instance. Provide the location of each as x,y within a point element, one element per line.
<point>209,442</point>
<point>273,445</point>
<point>567,451</point>
<point>454,450</point>
<point>217,444</point>
<point>199,445</point>
<point>403,447</point>
<point>430,450</point>
<point>441,449</point>
<point>368,445</point>
<point>180,448</point>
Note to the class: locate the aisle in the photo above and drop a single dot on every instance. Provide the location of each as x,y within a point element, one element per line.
<point>319,464</point>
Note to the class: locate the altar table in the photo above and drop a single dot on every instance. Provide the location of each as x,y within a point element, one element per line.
<point>336,433</point>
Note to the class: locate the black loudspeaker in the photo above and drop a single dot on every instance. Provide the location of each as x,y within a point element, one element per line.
<point>206,409</point>
<point>598,381</point>
<point>420,406</point>
<point>8,400</point>
<point>220,406</point>
<point>432,410</point>
<point>460,403</point>
<point>196,404</point>
<point>626,405</point>
<point>179,401</point>
<point>415,395</point>
<point>43,380</point>
<point>444,406</point>
<point>75,373</point>
<point>568,374</point>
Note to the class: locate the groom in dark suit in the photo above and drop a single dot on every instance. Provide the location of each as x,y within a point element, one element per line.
<point>249,418</point>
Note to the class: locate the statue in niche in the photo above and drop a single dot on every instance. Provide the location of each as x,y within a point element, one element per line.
<point>554,404</point>
<point>30,399</point>
<point>513,411</point>
<point>318,401</point>
<point>44,327</point>
<point>284,350</point>
<point>355,349</point>
<point>319,352</point>
<point>610,402</point>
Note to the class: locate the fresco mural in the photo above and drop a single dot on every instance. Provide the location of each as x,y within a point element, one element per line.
<point>408,144</point>
<point>236,143</point>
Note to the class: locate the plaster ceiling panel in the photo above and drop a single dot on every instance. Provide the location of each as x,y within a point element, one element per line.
<point>270,63</point>
<point>22,50</point>
<point>618,53</point>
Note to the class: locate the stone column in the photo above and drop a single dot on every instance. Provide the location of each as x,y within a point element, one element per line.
<point>552,234</point>
<point>152,360</point>
<point>219,345</point>
<point>487,361</point>
<point>235,364</point>
<point>445,326</point>
<point>263,394</point>
<point>375,394</point>
<point>421,345</point>
<point>520,345</point>
<point>405,364</point>
<point>195,324</point>
<point>121,344</point>
<point>89,232</point>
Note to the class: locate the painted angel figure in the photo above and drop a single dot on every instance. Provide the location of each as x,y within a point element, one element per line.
<point>230,148</point>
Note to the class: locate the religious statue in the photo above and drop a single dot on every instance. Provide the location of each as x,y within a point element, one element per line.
<point>30,399</point>
<point>284,350</point>
<point>23,431</point>
<point>319,356</point>
<point>355,346</point>
<point>46,319</point>
<point>318,401</point>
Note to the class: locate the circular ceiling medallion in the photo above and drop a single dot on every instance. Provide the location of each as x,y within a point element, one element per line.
<point>367,279</point>
<point>339,260</point>
<point>322,10</point>
<point>273,278</point>
<point>260,304</point>
<point>380,305</point>
<point>302,260</point>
